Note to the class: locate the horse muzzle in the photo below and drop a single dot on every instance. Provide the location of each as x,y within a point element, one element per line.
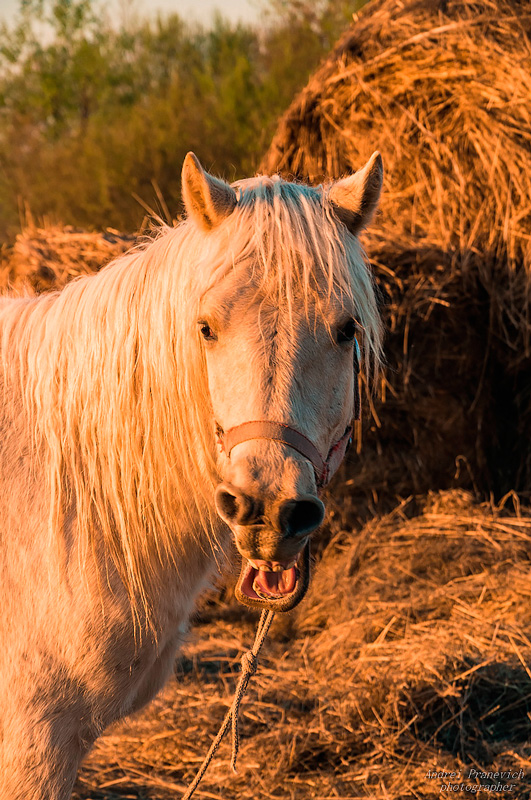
<point>272,539</point>
<point>278,586</point>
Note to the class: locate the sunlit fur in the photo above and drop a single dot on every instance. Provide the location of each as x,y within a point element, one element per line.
<point>106,417</point>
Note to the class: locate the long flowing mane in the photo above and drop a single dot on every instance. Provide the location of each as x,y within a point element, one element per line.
<point>112,375</point>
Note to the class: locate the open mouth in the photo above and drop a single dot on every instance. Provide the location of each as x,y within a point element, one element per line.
<point>276,585</point>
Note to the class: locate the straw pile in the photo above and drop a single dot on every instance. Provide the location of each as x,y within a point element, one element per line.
<point>409,654</point>
<point>443,90</point>
<point>44,259</point>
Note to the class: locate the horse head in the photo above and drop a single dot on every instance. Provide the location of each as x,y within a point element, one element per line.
<point>279,329</point>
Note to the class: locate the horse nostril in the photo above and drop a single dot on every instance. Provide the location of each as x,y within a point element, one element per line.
<point>227,504</point>
<point>300,517</point>
<point>234,506</point>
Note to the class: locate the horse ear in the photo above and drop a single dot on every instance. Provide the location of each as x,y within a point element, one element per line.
<point>355,199</point>
<point>208,200</point>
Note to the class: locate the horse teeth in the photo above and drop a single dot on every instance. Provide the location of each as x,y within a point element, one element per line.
<point>272,567</point>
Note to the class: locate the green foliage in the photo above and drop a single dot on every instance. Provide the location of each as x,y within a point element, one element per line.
<point>92,115</point>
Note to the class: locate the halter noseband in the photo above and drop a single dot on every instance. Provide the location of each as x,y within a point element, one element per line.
<point>266,429</point>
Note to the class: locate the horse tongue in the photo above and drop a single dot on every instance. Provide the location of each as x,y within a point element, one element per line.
<point>276,583</point>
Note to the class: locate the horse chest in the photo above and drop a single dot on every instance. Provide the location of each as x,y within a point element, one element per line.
<point>122,667</point>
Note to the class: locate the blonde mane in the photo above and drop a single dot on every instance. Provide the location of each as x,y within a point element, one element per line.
<point>112,375</point>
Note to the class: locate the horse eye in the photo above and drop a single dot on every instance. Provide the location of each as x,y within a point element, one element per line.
<point>347,332</point>
<point>206,331</point>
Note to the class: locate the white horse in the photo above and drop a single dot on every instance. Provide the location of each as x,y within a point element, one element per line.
<point>199,386</point>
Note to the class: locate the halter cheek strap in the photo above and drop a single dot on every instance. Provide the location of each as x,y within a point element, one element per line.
<point>357,393</point>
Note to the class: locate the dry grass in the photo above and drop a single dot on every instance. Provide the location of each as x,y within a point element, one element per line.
<point>410,653</point>
<point>44,259</point>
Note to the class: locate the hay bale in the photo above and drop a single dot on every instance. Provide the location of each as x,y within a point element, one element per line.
<point>45,259</point>
<point>443,90</point>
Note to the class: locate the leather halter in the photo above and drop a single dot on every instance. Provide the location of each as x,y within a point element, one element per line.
<point>266,429</point>
<point>280,432</point>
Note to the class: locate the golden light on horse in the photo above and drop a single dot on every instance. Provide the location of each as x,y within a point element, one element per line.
<point>128,456</point>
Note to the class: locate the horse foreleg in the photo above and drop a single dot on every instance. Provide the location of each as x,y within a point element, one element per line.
<point>42,761</point>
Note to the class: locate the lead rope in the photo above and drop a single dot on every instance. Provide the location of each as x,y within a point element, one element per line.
<point>249,663</point>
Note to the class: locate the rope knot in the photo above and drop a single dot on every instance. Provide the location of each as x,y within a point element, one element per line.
<point>249,662</point>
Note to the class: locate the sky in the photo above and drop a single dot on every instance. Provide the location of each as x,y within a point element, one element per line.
<point>247,10</point>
